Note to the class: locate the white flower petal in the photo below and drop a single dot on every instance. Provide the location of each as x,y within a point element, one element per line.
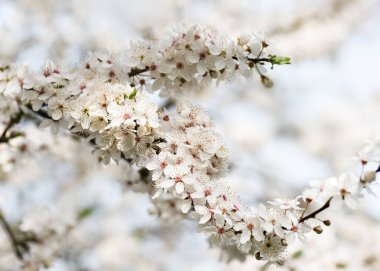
<point>245,236</point>
<point>179,187</point>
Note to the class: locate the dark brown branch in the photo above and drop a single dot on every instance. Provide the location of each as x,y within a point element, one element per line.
<point>41,113</point>
<point>316,212</point>
<point>11,236</point>
<point>14,120</point>
<point>137,71</point>
<point>3,137</point>
<point>259,60</point>
<point>170,102</point>
<point>256,60</point>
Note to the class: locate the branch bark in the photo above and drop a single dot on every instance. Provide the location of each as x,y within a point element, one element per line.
<point>12,238</point>
<point>136,71</point>
<point>316,212</point>
<point>14,120</point>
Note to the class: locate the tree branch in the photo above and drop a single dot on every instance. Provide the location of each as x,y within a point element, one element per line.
<point>258,60</point>
<point>11,236</point>
<point>136,71</point>
<point>170,102</point>
<point>315,213</point>
<point>14,120</point>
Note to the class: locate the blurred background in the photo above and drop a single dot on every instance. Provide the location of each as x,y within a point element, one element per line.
<point>319,113</point>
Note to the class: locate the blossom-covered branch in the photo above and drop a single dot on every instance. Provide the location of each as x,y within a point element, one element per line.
<point>103,100</point>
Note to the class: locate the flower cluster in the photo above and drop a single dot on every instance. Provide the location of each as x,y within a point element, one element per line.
<point>113,116</point>
<point>189,166</point>
<point>11,86</point>
<point>191,58</point>
<point>188,59</point>
<point>90,98</point>
<point>264,231</point>
<point>192,155</point>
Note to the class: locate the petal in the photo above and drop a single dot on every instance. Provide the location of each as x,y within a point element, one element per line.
<point>57,114</point>
<point>214,50</point>
<point>258,235</point>
<point>245,236</point>
<point>152,165</point>
<point>240,226</point>
<point>204,219</point>
<point>157,193</point>
<point>192,57</point>
<point>201,67</point>
<point>279,231</point>
<point>157,84</point>
<point>167,183</point>
<point>219,220</point>
<point>197,195</point>
<point>36,105</point>
<point>164,68</point>
<point>45,123</point>
<point>179,187</point>
<point>200,209</point>
<point>290,237</point>
<point>268,227</point>
<point>85,122</point>
<point>220,63</point>
<point>156,175</point>
<point>186,206</point>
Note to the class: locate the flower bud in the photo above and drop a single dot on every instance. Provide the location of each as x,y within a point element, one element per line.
<point>266,81</point>
<point>318,229</point>
<point>284,243</point>
<point>258,256</point>
<point>369,176</point>
<point>213,74</point>
<point>327,222</point>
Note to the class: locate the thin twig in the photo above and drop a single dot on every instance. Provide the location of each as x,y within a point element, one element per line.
<point>316,212</point>
<point>137,71</point>
<point>14,120</point>
<point>3,137</point>
<point>168,104</point>
<point>11,236</point>
<point>258,60</point>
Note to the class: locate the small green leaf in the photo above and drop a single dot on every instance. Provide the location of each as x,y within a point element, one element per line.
<point>340,265</point>
<point>279,60</point>
<point>86,212</point>
<point>16,134</point>
<point>297,254</point>
<point>133,94</point>
<point>139,233</point>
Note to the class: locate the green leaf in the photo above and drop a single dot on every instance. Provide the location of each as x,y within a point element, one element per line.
<point>133,94</point>
<point>139,233</point>
<point>15,134</point>
<point>279,60</point>
<point>86,212</point>
<point>340,265</point>
<point>297,254</point>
